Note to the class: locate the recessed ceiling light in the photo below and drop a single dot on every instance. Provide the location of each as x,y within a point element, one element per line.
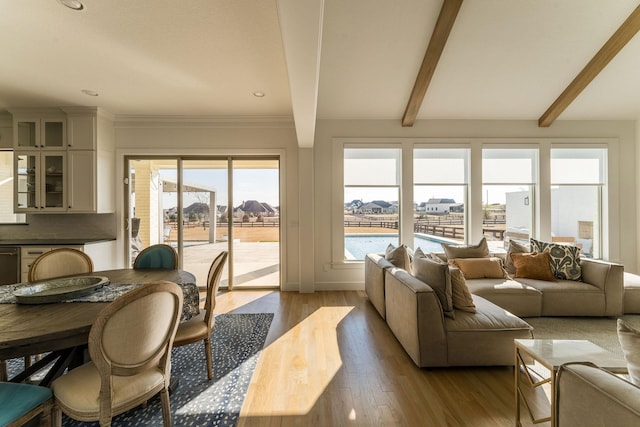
<point>89,92</point>
<point>72,4</point>
<point>259,94</point>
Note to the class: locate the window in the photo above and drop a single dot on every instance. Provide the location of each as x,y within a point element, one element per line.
<point>439,196</point>
<point>508,177</point>
<point>371,200</point>
<point>577,184</point>
<point>6,190</point>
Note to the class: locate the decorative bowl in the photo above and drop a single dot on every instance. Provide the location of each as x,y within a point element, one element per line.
<point>56,290</point>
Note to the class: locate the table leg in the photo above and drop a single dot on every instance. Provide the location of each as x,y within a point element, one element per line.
<point>516,370</point>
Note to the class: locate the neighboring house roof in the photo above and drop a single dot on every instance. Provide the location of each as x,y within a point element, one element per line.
<point>439,201</point>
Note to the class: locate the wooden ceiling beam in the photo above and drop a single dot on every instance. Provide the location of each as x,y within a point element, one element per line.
<point>618,40</point>
<point>447,17</point>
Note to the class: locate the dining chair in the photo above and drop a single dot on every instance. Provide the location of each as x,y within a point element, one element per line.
<point>130,348</point>
<point>157,256</point>
<point>22,403</point>
<point>60,262</point>
<point>199,328</point>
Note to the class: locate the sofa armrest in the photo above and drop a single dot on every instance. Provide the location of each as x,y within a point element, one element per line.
<point>590,396</point>
<point>609,277</point>
<point>414,315</point>
<point>374,267</point>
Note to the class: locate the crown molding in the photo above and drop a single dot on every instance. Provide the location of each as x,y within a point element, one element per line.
<point>133,121</point>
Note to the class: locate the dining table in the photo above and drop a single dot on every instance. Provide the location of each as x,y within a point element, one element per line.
<point>61,329</point>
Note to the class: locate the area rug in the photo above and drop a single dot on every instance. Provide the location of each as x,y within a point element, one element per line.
<point>599,330</point>
<point>236,344</point>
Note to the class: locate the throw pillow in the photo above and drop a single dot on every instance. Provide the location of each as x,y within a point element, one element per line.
<point>481,250</point>
<point>460,295</point>
<point>437,276</point>
<point>534,265</point>
<point>630,342</point>
<point>480,268</point>
<point>514,248</point>
<point>398,256</point>
<point>565,260</point>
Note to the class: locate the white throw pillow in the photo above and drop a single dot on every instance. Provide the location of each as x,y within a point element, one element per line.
<point>630,342</point>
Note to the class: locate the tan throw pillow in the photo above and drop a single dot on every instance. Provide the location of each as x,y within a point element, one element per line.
<point>460,295</point>
<point>398,256</point>
<point>437,276</point>
<point>514,248</point>
<point>534,265</point>
<point>481,250</point>
<point>630,342</point>
<point>480,268</point>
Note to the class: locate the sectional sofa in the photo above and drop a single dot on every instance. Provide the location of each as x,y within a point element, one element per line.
<point>433,337</point>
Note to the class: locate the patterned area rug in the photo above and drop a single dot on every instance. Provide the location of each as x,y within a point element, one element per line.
<point>236,344</point>
<point>599,330</point>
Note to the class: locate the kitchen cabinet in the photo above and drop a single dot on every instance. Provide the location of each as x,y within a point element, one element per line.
<point>47,133</point>
<point>65,160</point>
<point>40,181</point>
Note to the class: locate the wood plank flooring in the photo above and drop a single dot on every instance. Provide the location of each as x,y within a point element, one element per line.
<point>330,360</point>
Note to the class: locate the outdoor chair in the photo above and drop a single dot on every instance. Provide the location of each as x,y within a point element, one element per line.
<point>157,256</point>
<point>60,262</point>
<point>22,403</point>
<point>130,347</point>
<point>200,327</point>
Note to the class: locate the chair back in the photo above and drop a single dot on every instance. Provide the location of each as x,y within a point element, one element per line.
<point>136,331</point>
<point>213,282</point>
<point>157,256</point>
<point>60,262</point>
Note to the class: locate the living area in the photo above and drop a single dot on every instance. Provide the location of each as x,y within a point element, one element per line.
<point>468,307</point>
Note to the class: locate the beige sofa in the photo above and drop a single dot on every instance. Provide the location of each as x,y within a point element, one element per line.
<point>590,396</point>
<point>415,316</point>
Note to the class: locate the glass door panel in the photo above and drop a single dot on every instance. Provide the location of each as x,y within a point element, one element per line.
<point>53,194</point>
<point>27,188</point>
<point>256,222</point>
<point>205,231</point>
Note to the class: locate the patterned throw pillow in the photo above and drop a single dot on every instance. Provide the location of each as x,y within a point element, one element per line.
<point>565,260</point>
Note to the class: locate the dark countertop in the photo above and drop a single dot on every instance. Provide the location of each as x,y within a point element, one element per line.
<point>53,241</point>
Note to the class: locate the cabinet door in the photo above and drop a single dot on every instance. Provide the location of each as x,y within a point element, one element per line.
<point>26,183</point>
<point>26,133</point>
<point>53,134</point>
<point>82,176</point>
<point>52,190</point>
<point>82,133</point>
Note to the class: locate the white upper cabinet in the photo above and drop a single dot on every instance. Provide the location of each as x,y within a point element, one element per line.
<point>39,132</point>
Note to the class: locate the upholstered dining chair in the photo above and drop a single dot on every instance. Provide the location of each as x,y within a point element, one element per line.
<point>60,262</point>
<point>156,256</point>
<point>199,328</point>
<point>130,347</point>
<point>22,403</point>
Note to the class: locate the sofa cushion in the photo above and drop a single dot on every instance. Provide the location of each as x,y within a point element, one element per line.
<point>514,248</point>
<point>533,266</point>
<point>513,296</point>
<point>437,276</point>
<point>565,260</point>
<point>488,317</point>
<point>460,295</point>
<point>630,342</point>
<point>480,268</point>
<point>481,250</point>
<point>399,256</point>
<point>569,298</point>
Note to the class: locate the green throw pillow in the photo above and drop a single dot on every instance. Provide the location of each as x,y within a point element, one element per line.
<point>565,259</point>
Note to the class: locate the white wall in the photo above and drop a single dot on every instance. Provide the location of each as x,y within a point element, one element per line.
<point>623,228</point>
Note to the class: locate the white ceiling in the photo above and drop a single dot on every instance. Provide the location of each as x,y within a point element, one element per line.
<point>334,59</point>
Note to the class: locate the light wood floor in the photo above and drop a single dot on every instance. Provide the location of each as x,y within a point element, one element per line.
<point>330,360</point>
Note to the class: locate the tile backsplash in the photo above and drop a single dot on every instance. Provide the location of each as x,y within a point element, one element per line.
<point>60,226</point>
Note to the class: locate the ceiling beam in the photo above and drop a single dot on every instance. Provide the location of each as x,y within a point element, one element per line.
<point>447,17</point>
<point>618,40</point>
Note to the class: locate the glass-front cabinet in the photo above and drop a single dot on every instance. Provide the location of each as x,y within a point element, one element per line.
<point>41,133</point>
<point>40,182</point>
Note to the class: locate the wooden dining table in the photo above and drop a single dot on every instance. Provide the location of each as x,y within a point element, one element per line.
<point>62,328</point>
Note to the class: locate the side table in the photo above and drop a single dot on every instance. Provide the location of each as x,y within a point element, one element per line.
<point>536,365</point>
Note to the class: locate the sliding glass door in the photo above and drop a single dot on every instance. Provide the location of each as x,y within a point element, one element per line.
<point>184,202</point>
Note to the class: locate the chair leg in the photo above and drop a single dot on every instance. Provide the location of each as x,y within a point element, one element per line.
<point>56,416</point>
<point>166,407</point>
<point>207,351</point>
<point>4,371</point>
<point>46,419</point>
